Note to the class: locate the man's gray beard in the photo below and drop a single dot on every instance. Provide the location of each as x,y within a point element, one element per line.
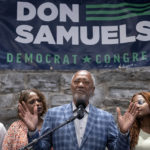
<point>78,96</point>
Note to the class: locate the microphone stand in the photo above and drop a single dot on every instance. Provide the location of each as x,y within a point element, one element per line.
<point>49,132</point>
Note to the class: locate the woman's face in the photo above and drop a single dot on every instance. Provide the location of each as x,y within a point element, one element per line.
<point>143,107</point>
<point>34,101</point>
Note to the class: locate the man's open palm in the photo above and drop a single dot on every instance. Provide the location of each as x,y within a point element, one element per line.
<point>29,119</point>
<point>125,122</point>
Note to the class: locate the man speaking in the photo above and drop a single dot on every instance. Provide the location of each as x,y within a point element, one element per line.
<point>93,130</point>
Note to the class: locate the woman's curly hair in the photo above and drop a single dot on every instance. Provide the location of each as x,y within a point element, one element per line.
<point>136,127</point>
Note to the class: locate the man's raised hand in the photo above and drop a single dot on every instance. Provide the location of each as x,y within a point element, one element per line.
<point>125,122</point>
<point>30,119</point>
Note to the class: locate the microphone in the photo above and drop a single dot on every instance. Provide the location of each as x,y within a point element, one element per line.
<point>81,108</point>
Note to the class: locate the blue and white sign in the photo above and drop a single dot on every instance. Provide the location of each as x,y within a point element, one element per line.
<point>74,34</point>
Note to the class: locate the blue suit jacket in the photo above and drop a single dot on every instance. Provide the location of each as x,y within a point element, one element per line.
<point>100,132</point>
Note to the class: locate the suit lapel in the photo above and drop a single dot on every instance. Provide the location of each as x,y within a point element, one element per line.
<point>71,127</point>
<point>89,125</point>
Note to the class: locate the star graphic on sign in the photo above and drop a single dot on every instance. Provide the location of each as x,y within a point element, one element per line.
<point>86,59</point>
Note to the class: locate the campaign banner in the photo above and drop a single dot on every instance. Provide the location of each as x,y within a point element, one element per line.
<point>74,34</point>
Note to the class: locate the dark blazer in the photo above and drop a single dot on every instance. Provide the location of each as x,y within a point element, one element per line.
<point>100,132</point>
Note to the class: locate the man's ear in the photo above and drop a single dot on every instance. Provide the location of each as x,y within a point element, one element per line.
<point>93,89</point>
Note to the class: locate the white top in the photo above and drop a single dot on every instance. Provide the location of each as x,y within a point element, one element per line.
<point>80,124</point>
<point>144,141</point>
<point>2,134</point>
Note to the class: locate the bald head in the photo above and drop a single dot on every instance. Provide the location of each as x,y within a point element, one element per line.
<point>83,72</point>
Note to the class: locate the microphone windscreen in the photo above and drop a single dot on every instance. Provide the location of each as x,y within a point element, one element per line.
<point>80,102</point>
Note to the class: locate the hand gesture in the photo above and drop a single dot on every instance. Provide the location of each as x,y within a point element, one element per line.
<point>125,122</point>
<point>31,120</point>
